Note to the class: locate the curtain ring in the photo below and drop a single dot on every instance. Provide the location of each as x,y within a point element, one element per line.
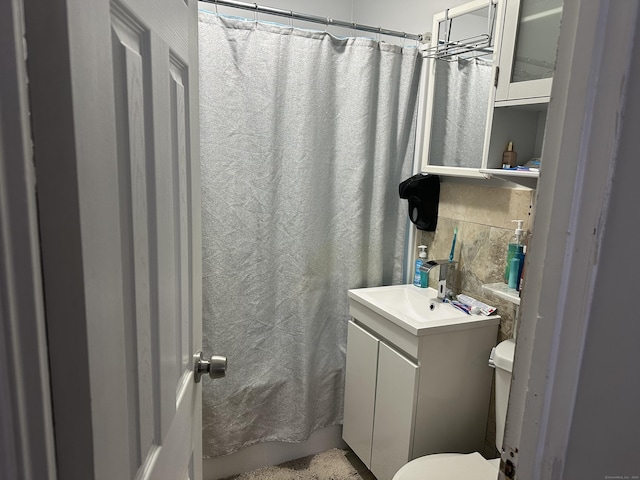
<point>216,4</point>
<point>255,12</point>
<point>291,18</point>
<point>353,29</point>
<point>326,27</point>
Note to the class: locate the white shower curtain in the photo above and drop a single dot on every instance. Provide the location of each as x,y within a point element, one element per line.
<point>305,138</point>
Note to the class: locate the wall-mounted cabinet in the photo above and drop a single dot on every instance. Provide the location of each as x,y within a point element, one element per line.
<point>527,49</point>
<point>458,77</point>
<point>478,101</point>
<point>524,125</point>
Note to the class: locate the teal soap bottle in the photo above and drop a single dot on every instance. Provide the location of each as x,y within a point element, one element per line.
<point>516,245</point>
<point>515,269</point>
<point>421,279</point>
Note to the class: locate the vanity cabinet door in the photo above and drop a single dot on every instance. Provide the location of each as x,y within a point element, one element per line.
<point>393,425</point>
<point>360,391</point>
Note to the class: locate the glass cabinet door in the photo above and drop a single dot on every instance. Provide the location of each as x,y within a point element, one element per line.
<point>528,49</point>
<point>458,72</point>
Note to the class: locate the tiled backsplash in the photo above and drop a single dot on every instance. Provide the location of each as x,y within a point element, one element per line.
<point>483,217</point>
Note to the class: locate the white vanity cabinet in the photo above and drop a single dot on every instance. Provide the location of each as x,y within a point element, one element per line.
<point>413,392</point>
<point>380,390</point>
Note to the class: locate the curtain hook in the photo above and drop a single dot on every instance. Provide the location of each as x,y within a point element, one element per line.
<point>255,12</point>
<point>216,4</point>
<point>326,27</point>
<point>378,34</point>
<point>291,18</point>
<point>353,29</point>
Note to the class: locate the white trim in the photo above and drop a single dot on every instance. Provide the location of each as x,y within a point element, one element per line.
<point>413,236</point>
<point>579,156</point>
<point>26,426</point>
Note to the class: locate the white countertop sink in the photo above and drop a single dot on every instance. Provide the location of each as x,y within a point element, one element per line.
<point>414,309</point>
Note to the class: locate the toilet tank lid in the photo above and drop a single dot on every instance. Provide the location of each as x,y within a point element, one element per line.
<point>503,356</point>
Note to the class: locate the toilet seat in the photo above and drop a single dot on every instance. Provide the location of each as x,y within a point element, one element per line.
<point>449,466</point>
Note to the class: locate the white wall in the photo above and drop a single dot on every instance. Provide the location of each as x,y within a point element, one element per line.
<point>337,9</point>
<point>411,16</point>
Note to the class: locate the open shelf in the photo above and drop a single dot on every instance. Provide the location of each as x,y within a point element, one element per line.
<point>503,291</point>
<point>526,178</point>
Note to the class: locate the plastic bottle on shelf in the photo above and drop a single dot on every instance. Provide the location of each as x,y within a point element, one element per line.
<point>516,245</point>
<point>509,157</point>
<point>515,270</point>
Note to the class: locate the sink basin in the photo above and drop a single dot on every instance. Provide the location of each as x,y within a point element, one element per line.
<point>415,309</point>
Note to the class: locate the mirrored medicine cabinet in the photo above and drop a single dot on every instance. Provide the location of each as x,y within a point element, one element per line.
<point>487,83</point>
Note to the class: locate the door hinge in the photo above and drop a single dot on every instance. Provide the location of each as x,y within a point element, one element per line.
<point>495,83</point>
<point>508,463</point>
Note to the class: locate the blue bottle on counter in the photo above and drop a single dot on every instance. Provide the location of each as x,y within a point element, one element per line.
<point>421,279</point>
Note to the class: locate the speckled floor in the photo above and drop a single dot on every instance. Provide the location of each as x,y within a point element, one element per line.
<point>334,464</point>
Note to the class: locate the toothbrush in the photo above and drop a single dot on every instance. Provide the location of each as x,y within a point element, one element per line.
<point>460,306</point>
<point>453,244</point>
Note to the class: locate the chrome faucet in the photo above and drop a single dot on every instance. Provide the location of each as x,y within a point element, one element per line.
<point>442,279</point>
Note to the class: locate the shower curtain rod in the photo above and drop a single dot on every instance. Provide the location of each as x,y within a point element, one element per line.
<point>313,18</point>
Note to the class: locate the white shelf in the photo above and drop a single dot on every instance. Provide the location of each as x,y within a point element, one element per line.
<point>503,291</point>
<point>539,103</point>
<point>526,178</point>
<point>444,170</point>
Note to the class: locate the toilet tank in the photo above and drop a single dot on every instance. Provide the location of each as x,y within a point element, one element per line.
<point>502,359</point>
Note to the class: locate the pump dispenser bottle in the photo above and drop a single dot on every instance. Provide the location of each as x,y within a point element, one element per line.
<point>421,279</point>
<point>515,249</point>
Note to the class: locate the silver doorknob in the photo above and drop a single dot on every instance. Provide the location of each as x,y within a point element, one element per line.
<point>216,366</point>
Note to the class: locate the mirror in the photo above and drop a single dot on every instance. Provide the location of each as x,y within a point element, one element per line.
<point>460,71</point>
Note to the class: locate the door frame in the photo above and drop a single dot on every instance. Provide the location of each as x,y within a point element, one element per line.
<point>27,448</point>
<point>581,148</point>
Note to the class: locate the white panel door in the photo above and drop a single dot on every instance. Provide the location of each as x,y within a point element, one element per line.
<point>114,103</point>
<point>393,426</point>
<point>360,391</point>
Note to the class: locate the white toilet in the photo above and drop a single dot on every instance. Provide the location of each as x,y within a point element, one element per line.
<point>472,466</point>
